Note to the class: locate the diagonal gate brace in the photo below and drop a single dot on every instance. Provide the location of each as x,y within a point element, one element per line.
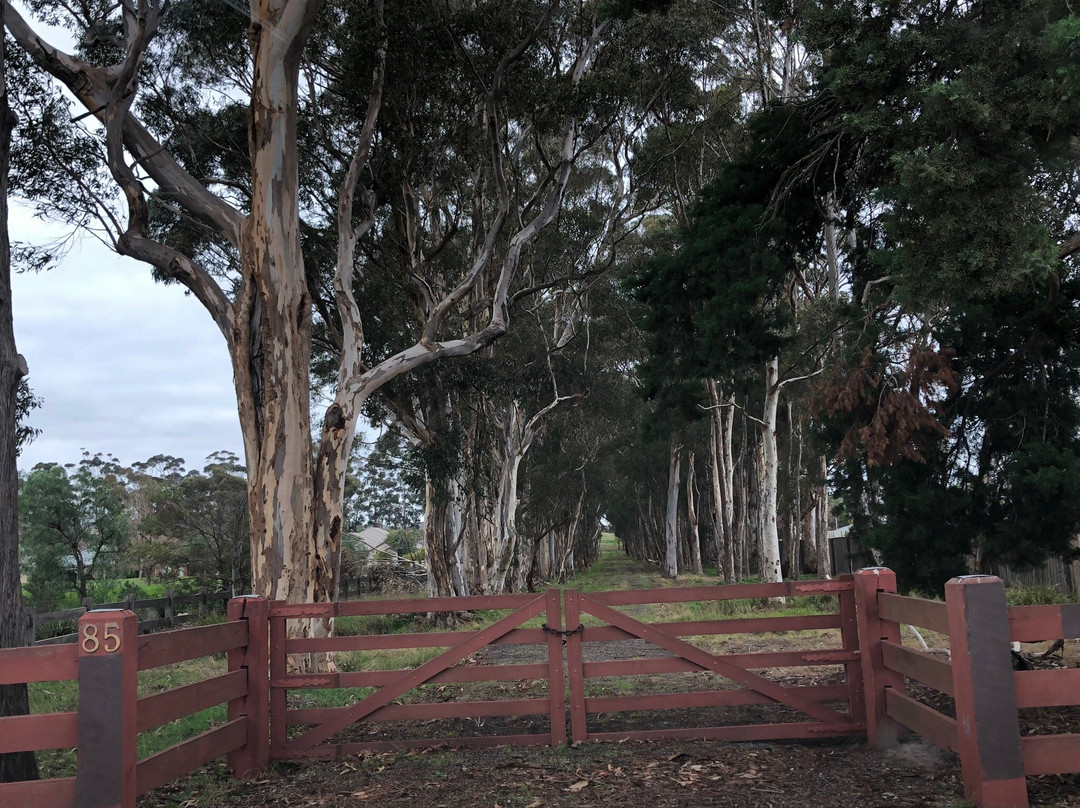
<point>416,677</point>
<point>692,653</point>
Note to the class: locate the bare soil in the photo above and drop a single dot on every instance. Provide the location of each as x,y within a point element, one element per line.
<point>631,775</point>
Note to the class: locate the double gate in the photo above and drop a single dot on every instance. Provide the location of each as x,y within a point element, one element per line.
<point>562,652</point>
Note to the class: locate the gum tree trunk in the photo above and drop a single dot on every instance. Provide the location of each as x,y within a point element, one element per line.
<point>692,518</point>
<point>14,627</point>
<point>770,536</point>
<point>671,534</point>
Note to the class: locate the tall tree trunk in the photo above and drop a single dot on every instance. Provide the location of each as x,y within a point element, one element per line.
<point>14,620</point>
<point>272,332</point>
<point>671,534</point>
<point>795,475</point>
<point>770,537</point>
<point>824,551</point>
<point>721,529</point>
<point>436,549</point>
<point>692,517</point>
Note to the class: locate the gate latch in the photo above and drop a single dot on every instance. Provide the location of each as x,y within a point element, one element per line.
<point>564,633</point>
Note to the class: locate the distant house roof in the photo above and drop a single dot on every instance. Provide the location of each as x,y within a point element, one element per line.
<point>374,538</point>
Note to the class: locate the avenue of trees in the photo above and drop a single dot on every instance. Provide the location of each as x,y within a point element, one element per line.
<point>707,274</point>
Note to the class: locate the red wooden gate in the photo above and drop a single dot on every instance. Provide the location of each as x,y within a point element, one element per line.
<point>813,700</point>
<point>330,731</point>
<point>321,725</point>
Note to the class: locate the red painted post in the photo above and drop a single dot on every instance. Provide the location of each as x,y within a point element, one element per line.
<point>849,634</point>
<point>575,672</point>
<point>556,683</point>
<point>108,698</point>
<point>881,731</point>
<point>254,756</point>
<point>278,669</point>
<point>987,723</point>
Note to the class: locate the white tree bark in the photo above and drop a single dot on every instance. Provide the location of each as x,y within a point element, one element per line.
<point>824,551</point>
<point>722,419</point>
<point>671,533</point>
<point>770,537</point>
<point>692,518</point>
<point>296,489</point>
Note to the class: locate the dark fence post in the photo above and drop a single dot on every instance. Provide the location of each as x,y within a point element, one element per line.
<point>987,722</point>
<point>202,601</point>
<point>881,731</point>
<point>254,756</point>
<point>108,698</point>
<point>170,608</point>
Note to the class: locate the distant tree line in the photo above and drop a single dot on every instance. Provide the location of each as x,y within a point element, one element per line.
<point>88,527</point>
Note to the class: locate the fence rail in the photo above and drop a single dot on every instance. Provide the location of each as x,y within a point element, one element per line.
<point>105,662</point>
<point>996,758</point>
<point>987,693</point>
<point>170,608</point>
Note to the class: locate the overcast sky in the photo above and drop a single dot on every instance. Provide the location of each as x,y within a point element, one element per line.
<point>125,365</point>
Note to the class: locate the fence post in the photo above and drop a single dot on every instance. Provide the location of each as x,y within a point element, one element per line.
<point>575,671</point>
<point>107,728</point>
<point>881,731</point>
<point>202,602</point>
<point>849,635</point>
<point>254,658</point>
<point>987,722</point>
<point>556,683</point>
<point>170,608</point>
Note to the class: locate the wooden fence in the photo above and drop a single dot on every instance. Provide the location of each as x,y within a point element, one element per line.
<point>987,694</point>
<point>810,715</point>
<point>316,726</point>
<point>171,608</point>
<point>995,759</point>
<point>106,661</point>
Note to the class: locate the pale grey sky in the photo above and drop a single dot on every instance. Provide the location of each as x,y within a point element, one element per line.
<point>125,365</point>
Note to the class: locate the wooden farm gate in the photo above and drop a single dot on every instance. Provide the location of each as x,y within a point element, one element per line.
<point>813,710</point>
<point>318,731</point>
<point>324,731</point>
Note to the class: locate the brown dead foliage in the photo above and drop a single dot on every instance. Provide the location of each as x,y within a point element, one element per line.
<point>891,409</point>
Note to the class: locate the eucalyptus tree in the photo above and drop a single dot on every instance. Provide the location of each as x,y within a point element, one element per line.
<point>74,527</point>
<point>262,159</point>
<point>14,699</point>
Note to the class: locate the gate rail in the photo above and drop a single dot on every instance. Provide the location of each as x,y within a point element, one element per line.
<point>995,758</point>
<point>322,724</point>
<point>738,668</point>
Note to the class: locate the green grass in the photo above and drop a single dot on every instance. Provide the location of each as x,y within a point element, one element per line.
<point>55,697</point>
<point>1036,595</point>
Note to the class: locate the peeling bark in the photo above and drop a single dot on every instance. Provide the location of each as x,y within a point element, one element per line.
<point>767,467</point>
<point>671,559</point>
